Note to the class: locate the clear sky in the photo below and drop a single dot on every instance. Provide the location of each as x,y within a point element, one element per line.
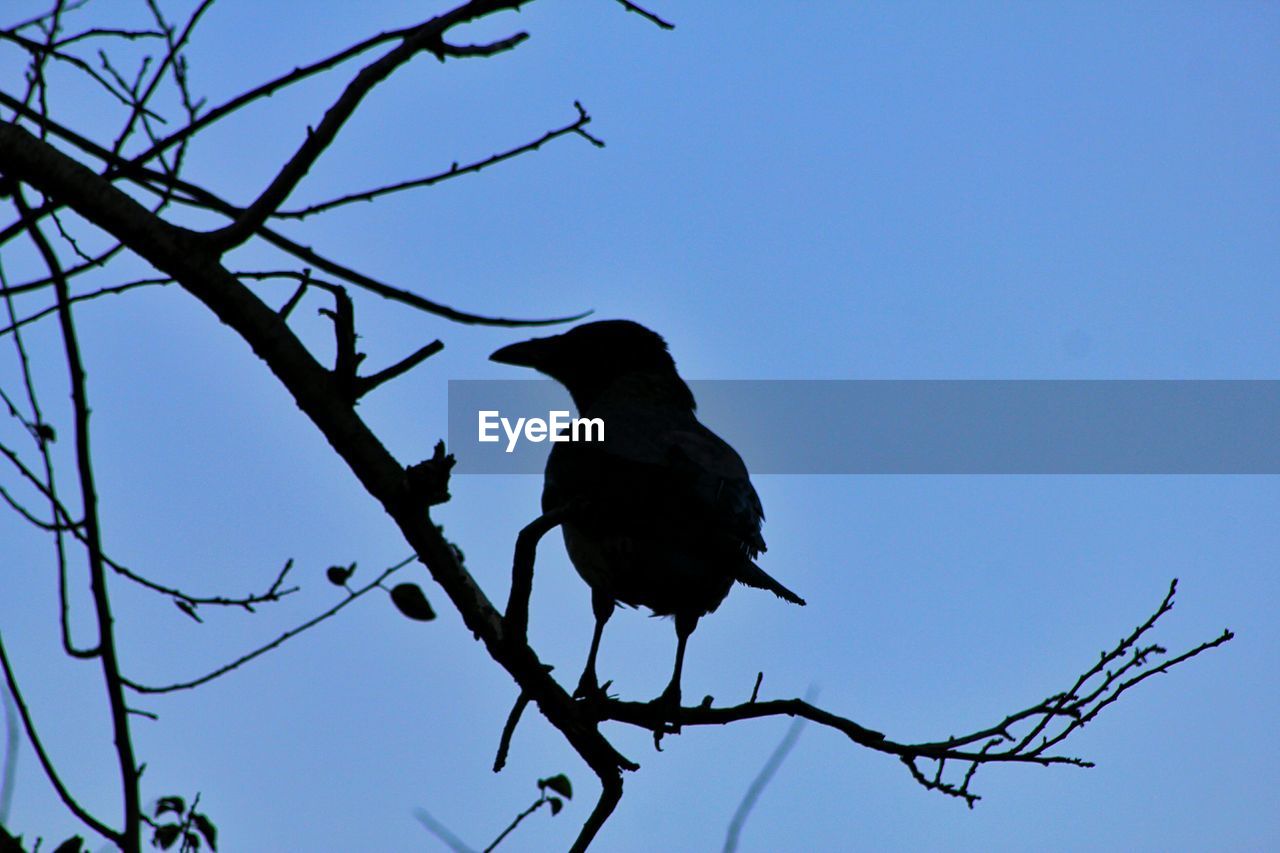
<point>789,190</point>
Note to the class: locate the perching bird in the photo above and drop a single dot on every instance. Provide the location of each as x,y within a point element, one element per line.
<point>664,514</point>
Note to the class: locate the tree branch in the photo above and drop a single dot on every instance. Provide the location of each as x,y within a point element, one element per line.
<point>430,37</point>
<point>50,771</point>
<point>130,838</point>
<point>278,641</point>
<point>183,256</point>
<point>1071,705</point>
<point>645,13</point>
<point>454,171</point>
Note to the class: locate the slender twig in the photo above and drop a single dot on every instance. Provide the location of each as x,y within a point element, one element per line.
<point>84,297</point>
<point>130,838</point>
<point>107,32</point>
<point>515,624</point>
<point>998,743</point>
<point>69,273</point>
<point>537,804</point>
<point>365,384</point>
<point>453,171</point>
<point>174,47</point>
<point>644,13</point>
<point>427,37</point>
<point>38,20</point>
<point>509,729</point>
<point>303,253</point>
<point>28,724</point>
<point>266,90</point>
<point>38,49</point>
<point>278,641</point>
<point>40,432</point>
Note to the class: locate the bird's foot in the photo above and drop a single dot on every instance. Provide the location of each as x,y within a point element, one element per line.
<point>589,692</point>
<point>668,705</point>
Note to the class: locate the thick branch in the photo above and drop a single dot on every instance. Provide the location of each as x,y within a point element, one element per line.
<point>183,256</point>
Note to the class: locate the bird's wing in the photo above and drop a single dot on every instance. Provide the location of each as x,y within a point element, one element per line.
<point>661,469</point>
<point>716,474</point>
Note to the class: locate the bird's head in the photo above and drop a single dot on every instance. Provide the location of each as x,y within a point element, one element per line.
<point>589,358</point>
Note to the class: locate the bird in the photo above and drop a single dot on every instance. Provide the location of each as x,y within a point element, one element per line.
<point>663,514</point>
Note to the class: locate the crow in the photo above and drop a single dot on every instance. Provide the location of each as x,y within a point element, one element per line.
<point>663,512</point>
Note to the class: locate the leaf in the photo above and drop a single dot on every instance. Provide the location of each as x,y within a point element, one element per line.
<point>170,804</point>
<point>410,600</point>
<point>339,575</point>
<point>556,805</point>
<point>207,829</point>
<point>558,783</point>
<point>166,835</point>
<point>74,844</point>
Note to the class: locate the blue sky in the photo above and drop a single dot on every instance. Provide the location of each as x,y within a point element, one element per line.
<point>796,191</point>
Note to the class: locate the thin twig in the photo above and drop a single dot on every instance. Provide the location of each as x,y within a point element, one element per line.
<point>365,384</point>
<point>28,724</point>
<point>278,641</point>
<point>509,729</point>
<point>515,623</point>
<point>427,37</point>
<point>130,838</point>
<point>453,171</point>
<point>644,13</point>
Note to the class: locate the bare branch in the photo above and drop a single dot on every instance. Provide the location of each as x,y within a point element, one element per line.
<point>303,253</point>
<point>1029,749</point>
<point>515,624</point>
<point>644,13</point>
<point>365,384</point>
<point>278,641</point>
<point>128,766</point>
<point>429,36</point>
<point>43,757</point>
<point>84,297</point>
<point>509,729</point>
<point>453,171</point>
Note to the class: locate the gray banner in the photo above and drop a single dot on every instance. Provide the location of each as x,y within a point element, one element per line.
<point>920,426</point>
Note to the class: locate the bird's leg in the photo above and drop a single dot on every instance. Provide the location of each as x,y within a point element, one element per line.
<point>588,687</point>
<point>685,624</point>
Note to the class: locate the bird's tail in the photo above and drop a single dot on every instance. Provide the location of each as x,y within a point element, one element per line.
<point>752,575</point>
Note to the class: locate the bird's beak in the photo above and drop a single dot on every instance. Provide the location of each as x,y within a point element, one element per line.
<point>535,353</point>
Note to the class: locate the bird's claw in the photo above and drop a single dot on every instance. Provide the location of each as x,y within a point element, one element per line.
<point>589,692</point>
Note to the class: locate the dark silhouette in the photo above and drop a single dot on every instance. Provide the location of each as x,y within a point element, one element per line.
<point>663,512</point>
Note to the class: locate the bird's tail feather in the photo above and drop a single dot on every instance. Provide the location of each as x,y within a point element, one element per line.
<point>752,575</point>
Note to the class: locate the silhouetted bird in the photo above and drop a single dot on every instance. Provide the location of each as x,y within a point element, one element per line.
<point>664,514</point>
